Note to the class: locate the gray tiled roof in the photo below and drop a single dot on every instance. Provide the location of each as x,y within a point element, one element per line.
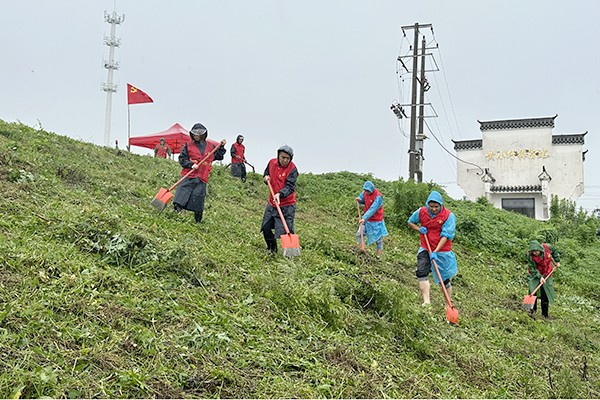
<point>522,188</point>
<point>518,123</point>
<point>468,144</point>
<point>569,139</point>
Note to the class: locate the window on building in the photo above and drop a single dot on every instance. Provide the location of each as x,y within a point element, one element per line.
<point>522,206</point>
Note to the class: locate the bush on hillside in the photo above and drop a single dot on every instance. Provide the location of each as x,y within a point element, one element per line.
<point>409,196</point>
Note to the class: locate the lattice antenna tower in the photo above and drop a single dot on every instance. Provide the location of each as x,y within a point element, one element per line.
<point>111,65</point>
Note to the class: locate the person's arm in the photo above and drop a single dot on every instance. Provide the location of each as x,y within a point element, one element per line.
<point>413,220</point>
<point>361,198</point>
<point>555,256</point>
<point>220,153</point>
<point>377,203</point>
<point>184,158</point>
<point>290,184</point>
<point>232,152</point>
<point>168,151</point>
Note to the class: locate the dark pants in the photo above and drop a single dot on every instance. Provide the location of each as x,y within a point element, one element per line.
<point>545,303</point>
<point>272,222</point>
<point>424,267</point>
<point>239,170</point>
<point>190,195</point>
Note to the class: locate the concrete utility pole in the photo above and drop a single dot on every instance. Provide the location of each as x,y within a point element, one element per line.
<point>111,65</point>
<point>415,151</point>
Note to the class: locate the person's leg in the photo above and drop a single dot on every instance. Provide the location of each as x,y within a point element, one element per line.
<point>545,302</point>
<point>243,173</point>
<point>199,195</point>
<point>267,227</point>
<point>379,247</point>
<point>422,272</point>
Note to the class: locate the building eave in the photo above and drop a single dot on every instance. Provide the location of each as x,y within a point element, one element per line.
<point>526,123</point>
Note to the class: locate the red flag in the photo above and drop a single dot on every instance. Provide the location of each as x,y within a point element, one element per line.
<point>136,96</point>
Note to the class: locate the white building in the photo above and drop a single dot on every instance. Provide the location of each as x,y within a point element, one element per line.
<point>519,165</point>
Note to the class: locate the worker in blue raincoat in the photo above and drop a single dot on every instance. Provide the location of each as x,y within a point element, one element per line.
<point>372,220</point>
<point>439,225</point>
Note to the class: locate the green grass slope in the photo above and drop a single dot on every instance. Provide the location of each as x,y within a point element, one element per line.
<point>102,296</point>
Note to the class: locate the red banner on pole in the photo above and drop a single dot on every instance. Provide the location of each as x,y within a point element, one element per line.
<point>136,96</point>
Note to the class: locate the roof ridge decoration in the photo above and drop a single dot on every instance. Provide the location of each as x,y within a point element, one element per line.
<point>525,123</point>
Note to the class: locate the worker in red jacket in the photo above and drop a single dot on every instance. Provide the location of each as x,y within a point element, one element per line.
<point>238,158</point>
<point>192,191</point>
<point>282,173</point>
<point>162,150</point>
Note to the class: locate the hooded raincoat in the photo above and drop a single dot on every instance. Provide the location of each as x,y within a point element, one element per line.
<point>442,224</point>
<point>373,203</point>
<point>542,265</point>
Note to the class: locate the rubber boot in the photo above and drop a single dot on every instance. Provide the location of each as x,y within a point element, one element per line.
<point>272,246</point>
<point>198,216</point>
<point>545,306</point>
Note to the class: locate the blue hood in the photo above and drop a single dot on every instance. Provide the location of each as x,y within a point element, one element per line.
<point>369,187</point>
<point>434,196</point>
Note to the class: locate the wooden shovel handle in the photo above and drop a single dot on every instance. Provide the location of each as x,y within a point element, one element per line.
<point>278,209</point>
<point>192,170</point>
<point>540,285</point>
<point>439,275</point>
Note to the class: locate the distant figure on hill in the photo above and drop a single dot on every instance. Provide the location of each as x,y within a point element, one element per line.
<point>238,159</point>
<point>193,156</point>
<point>282,173</point>
<point>162,150</point>
<point>439,225</point>
<point>541,258</point>
<point>371,223</point>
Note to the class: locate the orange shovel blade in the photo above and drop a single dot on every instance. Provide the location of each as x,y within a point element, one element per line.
<point>290,243</point>
<point>162,199</point>
<point>452,315</point>
<point>528,302</point>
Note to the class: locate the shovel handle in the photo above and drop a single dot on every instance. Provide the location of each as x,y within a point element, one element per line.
<point>278,208</point>
<point>437,271</point>
<point>362,228</point>
<point>540,285</point>
<point>192,170</point>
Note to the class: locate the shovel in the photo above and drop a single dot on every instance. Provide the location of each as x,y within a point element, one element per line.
<point>290,243</point>
<point>451,312</point>
<point>362,230</point>
<point>529,300</point>
<point>164,196</point>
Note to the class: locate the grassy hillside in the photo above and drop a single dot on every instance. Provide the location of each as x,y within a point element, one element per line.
<point>102,296</point>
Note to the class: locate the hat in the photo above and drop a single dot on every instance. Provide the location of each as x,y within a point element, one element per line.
<point>199,129</point>
<point>286,149</point>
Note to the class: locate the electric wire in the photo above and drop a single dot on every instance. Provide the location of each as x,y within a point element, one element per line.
<point>447,151</point>
<point>448,90</point>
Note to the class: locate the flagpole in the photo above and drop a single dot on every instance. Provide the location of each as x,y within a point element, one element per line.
<point>128,127</point>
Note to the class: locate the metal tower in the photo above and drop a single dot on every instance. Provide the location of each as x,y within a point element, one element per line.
<point>111,65</point>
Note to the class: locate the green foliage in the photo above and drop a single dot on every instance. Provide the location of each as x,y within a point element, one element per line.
<point>102,296</point>
<point>409,196</point>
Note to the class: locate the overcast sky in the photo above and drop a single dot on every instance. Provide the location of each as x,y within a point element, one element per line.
<point>316,75</point>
